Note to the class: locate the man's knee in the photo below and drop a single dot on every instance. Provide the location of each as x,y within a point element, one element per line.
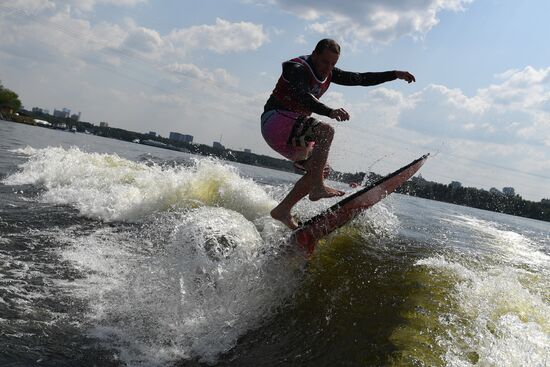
<point>324,130</point>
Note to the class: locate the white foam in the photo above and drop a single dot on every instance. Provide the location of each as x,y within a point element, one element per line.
<point>204,266</point>
<point>501,316</point>
<point>440,263</point>
<point>28,151</point>
<point>108,187</point>
<point>515,247</point>
<point>380,219</point>
<point>193,295</point>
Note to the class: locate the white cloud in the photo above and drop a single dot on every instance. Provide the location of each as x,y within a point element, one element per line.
<point>381,107</point>
<point>193,71</point>
<point>37,6</point>
<point>145,42</point>
<point>56,39</point>
<point>360,21</point>
<point>58,35</point>
<point>30,6</point>
<point>128,3</point>
<point>70,33</point>
<point>81,6</point>
<point>469,126</point>
<point>455,98</point>
<point>226,77</point>
<point>222,37</point>
<point>521,89</point>
<point>498,136</point>
<point>512,111</point>
<point>390,97</point>
<point>301,40</point>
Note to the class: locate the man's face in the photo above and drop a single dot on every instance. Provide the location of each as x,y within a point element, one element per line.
<point>324,62</point>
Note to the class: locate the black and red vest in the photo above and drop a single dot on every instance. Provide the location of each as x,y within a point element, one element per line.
<point>286,95</point>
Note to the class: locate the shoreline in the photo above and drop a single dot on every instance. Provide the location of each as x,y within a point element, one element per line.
<point>417,186</point>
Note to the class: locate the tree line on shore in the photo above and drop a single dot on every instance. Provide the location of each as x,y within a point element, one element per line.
<point>478,198</point>
<point>9,101</point>
<point>417,186</point>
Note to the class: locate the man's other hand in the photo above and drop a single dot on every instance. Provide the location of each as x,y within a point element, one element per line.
<point>339,114</point>
<point>405,75</point>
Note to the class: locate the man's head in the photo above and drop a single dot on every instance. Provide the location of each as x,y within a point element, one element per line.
<point>325,56</point>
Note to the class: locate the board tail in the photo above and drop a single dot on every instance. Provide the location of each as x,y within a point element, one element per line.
<point>305,241</point>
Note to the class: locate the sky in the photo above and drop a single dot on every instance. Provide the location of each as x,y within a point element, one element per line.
<point>480,105</point>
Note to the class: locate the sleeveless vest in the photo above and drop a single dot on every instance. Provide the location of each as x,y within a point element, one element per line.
<point>286,95</point>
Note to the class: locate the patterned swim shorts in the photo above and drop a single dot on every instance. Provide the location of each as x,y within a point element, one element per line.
<point>290,134</point>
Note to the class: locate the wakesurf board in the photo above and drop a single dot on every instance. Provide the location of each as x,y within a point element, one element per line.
<point>310,232</point>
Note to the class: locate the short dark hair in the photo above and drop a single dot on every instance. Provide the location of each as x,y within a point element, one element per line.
<point>331,44</point>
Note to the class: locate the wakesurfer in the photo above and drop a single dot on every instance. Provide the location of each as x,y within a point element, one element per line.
<point>288,127</point>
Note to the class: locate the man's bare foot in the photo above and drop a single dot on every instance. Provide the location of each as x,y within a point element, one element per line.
<point>286,218</point>
<point>324,192</point>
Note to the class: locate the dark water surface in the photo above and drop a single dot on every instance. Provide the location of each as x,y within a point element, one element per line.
<point>119,254</point>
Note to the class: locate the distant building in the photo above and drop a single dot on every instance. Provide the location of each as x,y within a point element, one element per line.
<point>64,113</point>
<point>103,124</point>
<point>509,191</point>
<point>152,133</point>
<point>247,150</point>
<point>217,145</point>
<point>182,138</point>
<point>40,110</point>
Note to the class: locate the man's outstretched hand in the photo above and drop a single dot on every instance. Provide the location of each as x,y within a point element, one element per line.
<point>405,75</point>
<point>339,114</point>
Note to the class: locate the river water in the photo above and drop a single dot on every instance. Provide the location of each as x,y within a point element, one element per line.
<point>119,254</point>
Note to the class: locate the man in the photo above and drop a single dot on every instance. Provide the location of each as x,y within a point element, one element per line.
<point>288,128</point>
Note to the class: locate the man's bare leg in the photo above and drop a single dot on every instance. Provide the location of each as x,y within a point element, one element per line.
<point>317,162</point>
<point>312,182</point>
<point>282,211</point>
